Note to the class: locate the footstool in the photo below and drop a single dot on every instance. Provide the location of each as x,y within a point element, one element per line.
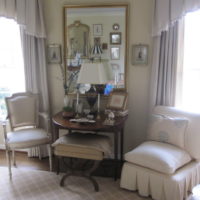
<point>86,147</point>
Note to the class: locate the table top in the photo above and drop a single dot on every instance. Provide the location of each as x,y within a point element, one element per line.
<point>64,123</point>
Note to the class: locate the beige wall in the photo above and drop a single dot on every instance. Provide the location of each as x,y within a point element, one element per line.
<point>137,76</point>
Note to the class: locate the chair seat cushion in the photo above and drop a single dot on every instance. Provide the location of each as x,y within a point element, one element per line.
<point>158,156</point>
<point>83,145</point>
<point>26,138</point>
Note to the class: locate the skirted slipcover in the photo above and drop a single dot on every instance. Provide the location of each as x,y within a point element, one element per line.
<point>159,168</point>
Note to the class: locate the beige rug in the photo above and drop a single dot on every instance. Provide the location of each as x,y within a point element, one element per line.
<point>42,185</point>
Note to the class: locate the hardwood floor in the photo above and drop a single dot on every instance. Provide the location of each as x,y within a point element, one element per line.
<point>23,161</point>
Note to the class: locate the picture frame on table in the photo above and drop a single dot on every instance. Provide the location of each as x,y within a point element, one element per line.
<point>117,100</point>
<point>115,38</point>
<point>115,53</point>
<point>140,54</point>
<point>54,53</point>
<point>97,29</point>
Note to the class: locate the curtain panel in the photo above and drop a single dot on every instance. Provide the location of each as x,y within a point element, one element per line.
<point>166,12</point>
<point>27,13</point>
<point>164,68</point>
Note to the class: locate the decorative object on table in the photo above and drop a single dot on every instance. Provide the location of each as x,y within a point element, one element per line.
<point>110,120</point>
<point>115,38</point>
<point>139,54</point>
<point>115,27</point>
<point>93,73</point>
<point>68,112</point>
<point>97,29</point>
<point>115,53</point>
<point>54,53</point>
<point>96,50</point>
<point>82,120</point>
<point>117,100</point>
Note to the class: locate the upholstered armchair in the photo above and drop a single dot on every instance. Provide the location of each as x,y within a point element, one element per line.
<point>166,166</point>
<point>23,115</point>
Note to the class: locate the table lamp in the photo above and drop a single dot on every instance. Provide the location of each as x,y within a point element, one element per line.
<point>94,74</point>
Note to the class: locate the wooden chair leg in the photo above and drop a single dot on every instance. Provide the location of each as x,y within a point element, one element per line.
<point>50,157</point>
<point>13,157</point>
<point>8,155</point>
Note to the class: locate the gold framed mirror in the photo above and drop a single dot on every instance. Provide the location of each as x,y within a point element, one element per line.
<point>87,30</point>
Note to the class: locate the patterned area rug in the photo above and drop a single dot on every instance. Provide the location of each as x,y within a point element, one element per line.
<point>43,185</point>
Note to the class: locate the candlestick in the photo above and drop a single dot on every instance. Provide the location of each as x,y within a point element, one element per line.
<point>98,107</point>
<point>77,102</point>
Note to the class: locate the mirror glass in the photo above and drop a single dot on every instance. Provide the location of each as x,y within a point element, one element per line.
<point>95,34</point>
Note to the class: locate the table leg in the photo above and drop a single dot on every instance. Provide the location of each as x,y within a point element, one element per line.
<point>116,154</point>
<point>121,144</point>
<point>55,132</point>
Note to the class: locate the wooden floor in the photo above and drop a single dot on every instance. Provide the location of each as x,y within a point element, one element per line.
<point>23,161</point>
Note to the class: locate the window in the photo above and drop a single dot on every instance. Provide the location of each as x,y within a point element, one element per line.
<point>11,62</point>
<point>190,94</point>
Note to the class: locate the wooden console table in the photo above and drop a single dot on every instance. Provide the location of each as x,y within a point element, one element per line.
<point>117,130</point>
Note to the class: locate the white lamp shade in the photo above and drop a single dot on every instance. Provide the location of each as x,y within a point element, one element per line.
<point>92,73</point>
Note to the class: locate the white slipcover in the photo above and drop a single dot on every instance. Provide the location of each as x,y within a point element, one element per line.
<point>158,156</point>
<point>164,186</point>
<point>27,138</point>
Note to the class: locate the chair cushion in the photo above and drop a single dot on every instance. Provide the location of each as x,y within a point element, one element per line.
<point>167,129</point>
<point>83,145</point>
<point>158,156</point>
<point>27,138</point>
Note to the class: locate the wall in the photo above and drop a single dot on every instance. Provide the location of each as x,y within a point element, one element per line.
<point>137,76</point>
<point>140,17</point>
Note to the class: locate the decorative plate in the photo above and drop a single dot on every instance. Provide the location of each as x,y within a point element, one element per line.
<point>115,27</point>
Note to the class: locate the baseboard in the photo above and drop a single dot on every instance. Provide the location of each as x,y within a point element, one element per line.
<point>2,147</point>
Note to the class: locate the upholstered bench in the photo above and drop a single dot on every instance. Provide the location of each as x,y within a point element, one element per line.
<point>86,147</point>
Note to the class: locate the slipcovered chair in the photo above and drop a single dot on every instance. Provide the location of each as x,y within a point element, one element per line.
<point>166,166</point>
<point>23,115</point>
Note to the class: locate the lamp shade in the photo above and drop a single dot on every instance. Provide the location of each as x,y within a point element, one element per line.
<point>92,73</point>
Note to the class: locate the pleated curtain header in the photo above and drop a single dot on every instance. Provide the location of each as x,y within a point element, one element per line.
<point>27,13</point>
<point>169,11</point>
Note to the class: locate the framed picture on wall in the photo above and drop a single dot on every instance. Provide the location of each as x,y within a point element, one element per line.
<point>139,54</point>
<point>115,38</point>
<point>54,53</point>
<point>115,53</point>
<point>97,29</point>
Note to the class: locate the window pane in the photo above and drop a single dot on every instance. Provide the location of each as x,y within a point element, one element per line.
<point>11,61</point>
<point>191,63</point>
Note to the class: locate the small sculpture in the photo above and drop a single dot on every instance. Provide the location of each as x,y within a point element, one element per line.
<point>110,119</point>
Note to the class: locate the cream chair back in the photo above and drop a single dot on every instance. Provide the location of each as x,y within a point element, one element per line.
<point>192,133</point>
<point>22,109</point>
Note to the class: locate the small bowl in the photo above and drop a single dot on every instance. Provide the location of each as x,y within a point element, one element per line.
<point>66,114</point>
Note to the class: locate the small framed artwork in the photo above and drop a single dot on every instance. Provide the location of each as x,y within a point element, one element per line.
<point>115,38</point>
<point>54,53</point>
<point>115,53</point>
<point>140,54</point>
<point>117,100</point>
<point>97,29</point>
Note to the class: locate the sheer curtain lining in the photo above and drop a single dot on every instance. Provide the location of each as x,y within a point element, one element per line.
<point>27,13</point>
<point>169,11</point>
